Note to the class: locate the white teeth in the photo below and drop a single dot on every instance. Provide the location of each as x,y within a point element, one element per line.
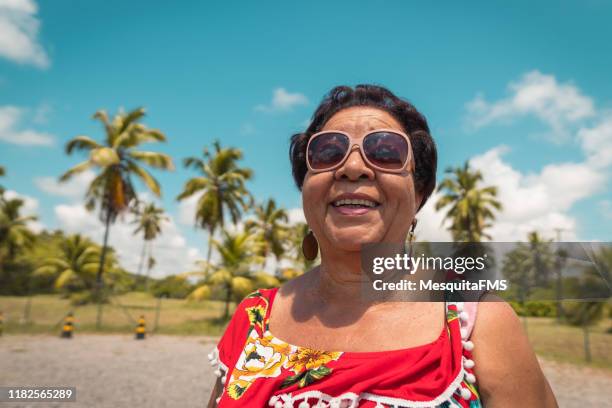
<point>347,201</point>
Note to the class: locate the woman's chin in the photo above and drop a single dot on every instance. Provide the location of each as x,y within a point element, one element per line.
<point>352,239</point>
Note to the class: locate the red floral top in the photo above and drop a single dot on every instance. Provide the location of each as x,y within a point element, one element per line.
<point>260,370</point>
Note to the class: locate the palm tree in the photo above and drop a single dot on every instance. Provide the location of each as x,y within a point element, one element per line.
<point>2,173</point>
<point>594,290</point>
<point>234,275</point>
<point>15,236</point>
<point>269,226</point>
<point>149,219</point>
<point>14,231</point>
<point>222,188</point>
<point>529,265</point>
<point>471,207</point>
<point>75,265</point>
<point>117,160</point>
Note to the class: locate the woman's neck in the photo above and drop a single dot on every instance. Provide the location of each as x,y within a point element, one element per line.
<point>339,278</point>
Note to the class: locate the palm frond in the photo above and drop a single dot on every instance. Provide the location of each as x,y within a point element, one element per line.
<point>81,143</point>
<point>79,168</point>
<point>150,181</point>
<point>153,159</point>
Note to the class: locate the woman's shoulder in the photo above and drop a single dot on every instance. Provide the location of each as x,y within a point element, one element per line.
<point>505,362</point>
<point>495,321</point>
<point>494,314</point>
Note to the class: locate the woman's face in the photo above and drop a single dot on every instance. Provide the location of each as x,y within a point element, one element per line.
<point>347,227</point>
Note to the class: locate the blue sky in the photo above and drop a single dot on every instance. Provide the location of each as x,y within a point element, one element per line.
<point>523,90</point>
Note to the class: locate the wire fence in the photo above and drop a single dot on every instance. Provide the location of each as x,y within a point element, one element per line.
<point>46,313</point>
<point>119,314</point>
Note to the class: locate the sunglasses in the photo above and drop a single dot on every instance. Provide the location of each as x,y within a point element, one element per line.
<point>382,149</point>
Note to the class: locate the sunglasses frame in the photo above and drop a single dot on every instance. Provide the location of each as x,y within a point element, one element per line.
<point>359,145</point>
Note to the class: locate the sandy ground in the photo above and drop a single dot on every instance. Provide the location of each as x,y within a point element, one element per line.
<point>171,371</point>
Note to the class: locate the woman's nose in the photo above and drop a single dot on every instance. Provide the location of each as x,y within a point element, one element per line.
<point>354,167</point>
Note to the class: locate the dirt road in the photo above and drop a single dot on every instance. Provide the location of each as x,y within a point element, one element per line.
<point>173,371</point>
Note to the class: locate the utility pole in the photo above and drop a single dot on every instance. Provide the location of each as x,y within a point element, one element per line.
<point>559,264</point>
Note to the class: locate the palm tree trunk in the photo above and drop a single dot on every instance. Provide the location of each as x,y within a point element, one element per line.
<point>99,282</point>
<point>228,298</point>
<point>142,256</point>
<point>148,257</point>
<point>209,253</point>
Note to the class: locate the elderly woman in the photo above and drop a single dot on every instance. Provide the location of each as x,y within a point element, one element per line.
<point>366,165</point>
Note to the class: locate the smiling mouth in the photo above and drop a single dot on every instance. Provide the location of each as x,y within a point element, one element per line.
<point>355,203</point>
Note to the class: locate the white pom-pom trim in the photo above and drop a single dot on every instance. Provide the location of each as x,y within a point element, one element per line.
<point>465,393</point>
<point>467,363</point>
<point>468,345</point>
<point>471,378</point>
<point>272,400</point>
<point>464,333</point>
<point>304,404</point>
<point>460,307</point>
<point>464,316</point>
<point>278,404</point>
<point>213,357</point>
<point>352,400</point>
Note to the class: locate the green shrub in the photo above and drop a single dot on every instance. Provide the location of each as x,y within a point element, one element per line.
<point>176,287</point>
<point>535,308</point>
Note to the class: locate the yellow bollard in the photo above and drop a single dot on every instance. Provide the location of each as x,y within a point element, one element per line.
<point>140,329</point>
<point>68,327</point>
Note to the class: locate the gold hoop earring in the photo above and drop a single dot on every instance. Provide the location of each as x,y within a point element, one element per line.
<point>310,246</point>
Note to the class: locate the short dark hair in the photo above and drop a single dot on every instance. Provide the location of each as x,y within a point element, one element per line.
<point>413,122</point>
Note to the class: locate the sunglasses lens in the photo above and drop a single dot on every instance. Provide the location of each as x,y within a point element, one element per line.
<point>327,150</point>
<point>386,150</point>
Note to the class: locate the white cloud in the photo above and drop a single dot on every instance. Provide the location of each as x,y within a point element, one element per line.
<point>187,210</point>
<point>282,100</point>
<point>537,201</point>
<point>542,200</point>
<point>10,131</point>
<point>559,105</point>
<point>170,250</point>
<point>74,188</point>
<point>30,207</point>
<point>597,143</point>
<point>19,28</point>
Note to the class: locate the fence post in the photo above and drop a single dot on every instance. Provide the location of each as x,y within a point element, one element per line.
<point>587,343</point>
<point>99,316</point>
<point>28,311</point>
